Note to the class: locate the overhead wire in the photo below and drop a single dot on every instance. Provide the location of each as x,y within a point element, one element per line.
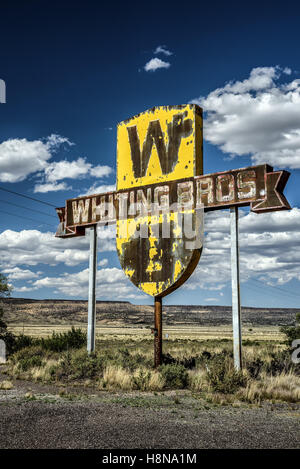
<point>27,197</point>
<point>25,218</point>
<point>27,208</point>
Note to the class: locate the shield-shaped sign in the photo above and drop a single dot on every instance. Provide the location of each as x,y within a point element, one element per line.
<point>159,245</point>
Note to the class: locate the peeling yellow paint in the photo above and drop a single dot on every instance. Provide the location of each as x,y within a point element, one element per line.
<point>190,151</point>
<point>164,262</point>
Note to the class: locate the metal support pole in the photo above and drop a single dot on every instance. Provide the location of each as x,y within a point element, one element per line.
<point>235,281</point>
<point>92,290</point>
<point>157,331</point>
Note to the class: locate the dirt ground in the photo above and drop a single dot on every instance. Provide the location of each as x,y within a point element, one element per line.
<point>42,416</point>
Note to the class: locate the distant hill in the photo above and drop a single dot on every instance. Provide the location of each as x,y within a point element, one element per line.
<point>30,311</point>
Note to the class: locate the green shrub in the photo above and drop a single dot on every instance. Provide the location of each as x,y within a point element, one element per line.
<point>255,367</point>
<point>186,362</point>
<point>78,365</point>
<point>59,342</point>
<point>280,362</point>
<point>223,377</point>
<point>291,332</point>
<point>141,380</point>
<point>175,375</point>
<point>124,359</point>
<point>28,358</point>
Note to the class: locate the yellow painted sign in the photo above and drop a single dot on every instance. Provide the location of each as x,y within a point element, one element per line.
<point>163,144</point>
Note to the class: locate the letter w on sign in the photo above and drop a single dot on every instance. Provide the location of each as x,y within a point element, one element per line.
<point>179,128</point>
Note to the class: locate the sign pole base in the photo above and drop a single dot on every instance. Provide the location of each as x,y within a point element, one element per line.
<point>157,331</point>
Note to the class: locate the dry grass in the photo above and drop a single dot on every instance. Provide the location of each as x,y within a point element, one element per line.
<point>107,333</point>
<point>6,385</point>
<point>284,387</point>
<point>133,370</point>
<point>116,378</point>
<point>42,373</point>
<point>198,381</point>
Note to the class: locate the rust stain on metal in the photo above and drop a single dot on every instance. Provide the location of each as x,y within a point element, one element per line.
<point>159,145</point>
<point>156,147</point>
<point>159,181</point>
<point>257,186</point>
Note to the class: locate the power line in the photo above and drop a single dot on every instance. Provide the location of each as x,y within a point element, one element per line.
<point>253,286</point>
<point>25,218</point>
<point>27,197</point>
<point>275,288</point>
<point>26,208</point>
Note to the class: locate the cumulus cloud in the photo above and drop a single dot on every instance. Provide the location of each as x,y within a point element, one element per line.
<point>21,157</point>
<point>163,50</point>
<point>74,169</point>
<point>268,254</point>
<point>258,116</point>
<point>155,64</point>
<point>51,187</point>
<point>64,169</point>
<point>268,251</point>
<point>111,282</point>
<point>96,189</point>
<point>32,247</point>
<point>19,274</point>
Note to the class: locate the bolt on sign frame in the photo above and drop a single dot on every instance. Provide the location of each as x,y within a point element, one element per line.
<point>158,208</point>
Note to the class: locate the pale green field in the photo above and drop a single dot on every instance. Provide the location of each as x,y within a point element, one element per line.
<point>264,333</point>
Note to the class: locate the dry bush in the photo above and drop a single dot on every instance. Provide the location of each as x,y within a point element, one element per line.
<point>6,385</point>
<point>197,380</point>
<point>116,378</point>
<point>283,387</point>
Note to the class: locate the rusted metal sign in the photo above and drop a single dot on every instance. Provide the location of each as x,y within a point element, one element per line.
<point>154,148</point>
<point>257,186</point>
<point>161,195</point>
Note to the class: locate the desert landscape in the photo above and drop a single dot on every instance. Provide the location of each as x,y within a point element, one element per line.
<point>50,380</point>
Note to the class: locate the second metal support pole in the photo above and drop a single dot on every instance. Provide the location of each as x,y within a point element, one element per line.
<point>157,331</point>
<point>92,291</point>
<point>235,279</point>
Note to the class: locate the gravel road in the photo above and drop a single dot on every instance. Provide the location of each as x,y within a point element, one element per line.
<point>36,416</point>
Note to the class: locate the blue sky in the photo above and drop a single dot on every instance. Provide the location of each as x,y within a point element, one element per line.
<point>74,70</point>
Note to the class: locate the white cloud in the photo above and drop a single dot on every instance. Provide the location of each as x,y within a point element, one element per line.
<point>103,262</point>
<point>32,247</point>
<point>268,250</point>
<point>69,170</point>
<point>268,253</point>
<point>96,189</point>
<point>74,169</point>
<point>19,274</point>
<point>162,50</point>
<point>258,116</point>
<point>101,171</point>
<point>111,283</point>
<point>155,64</point>
<point>21,157</point>
<point>51,187</point>
<point>24,289</point>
